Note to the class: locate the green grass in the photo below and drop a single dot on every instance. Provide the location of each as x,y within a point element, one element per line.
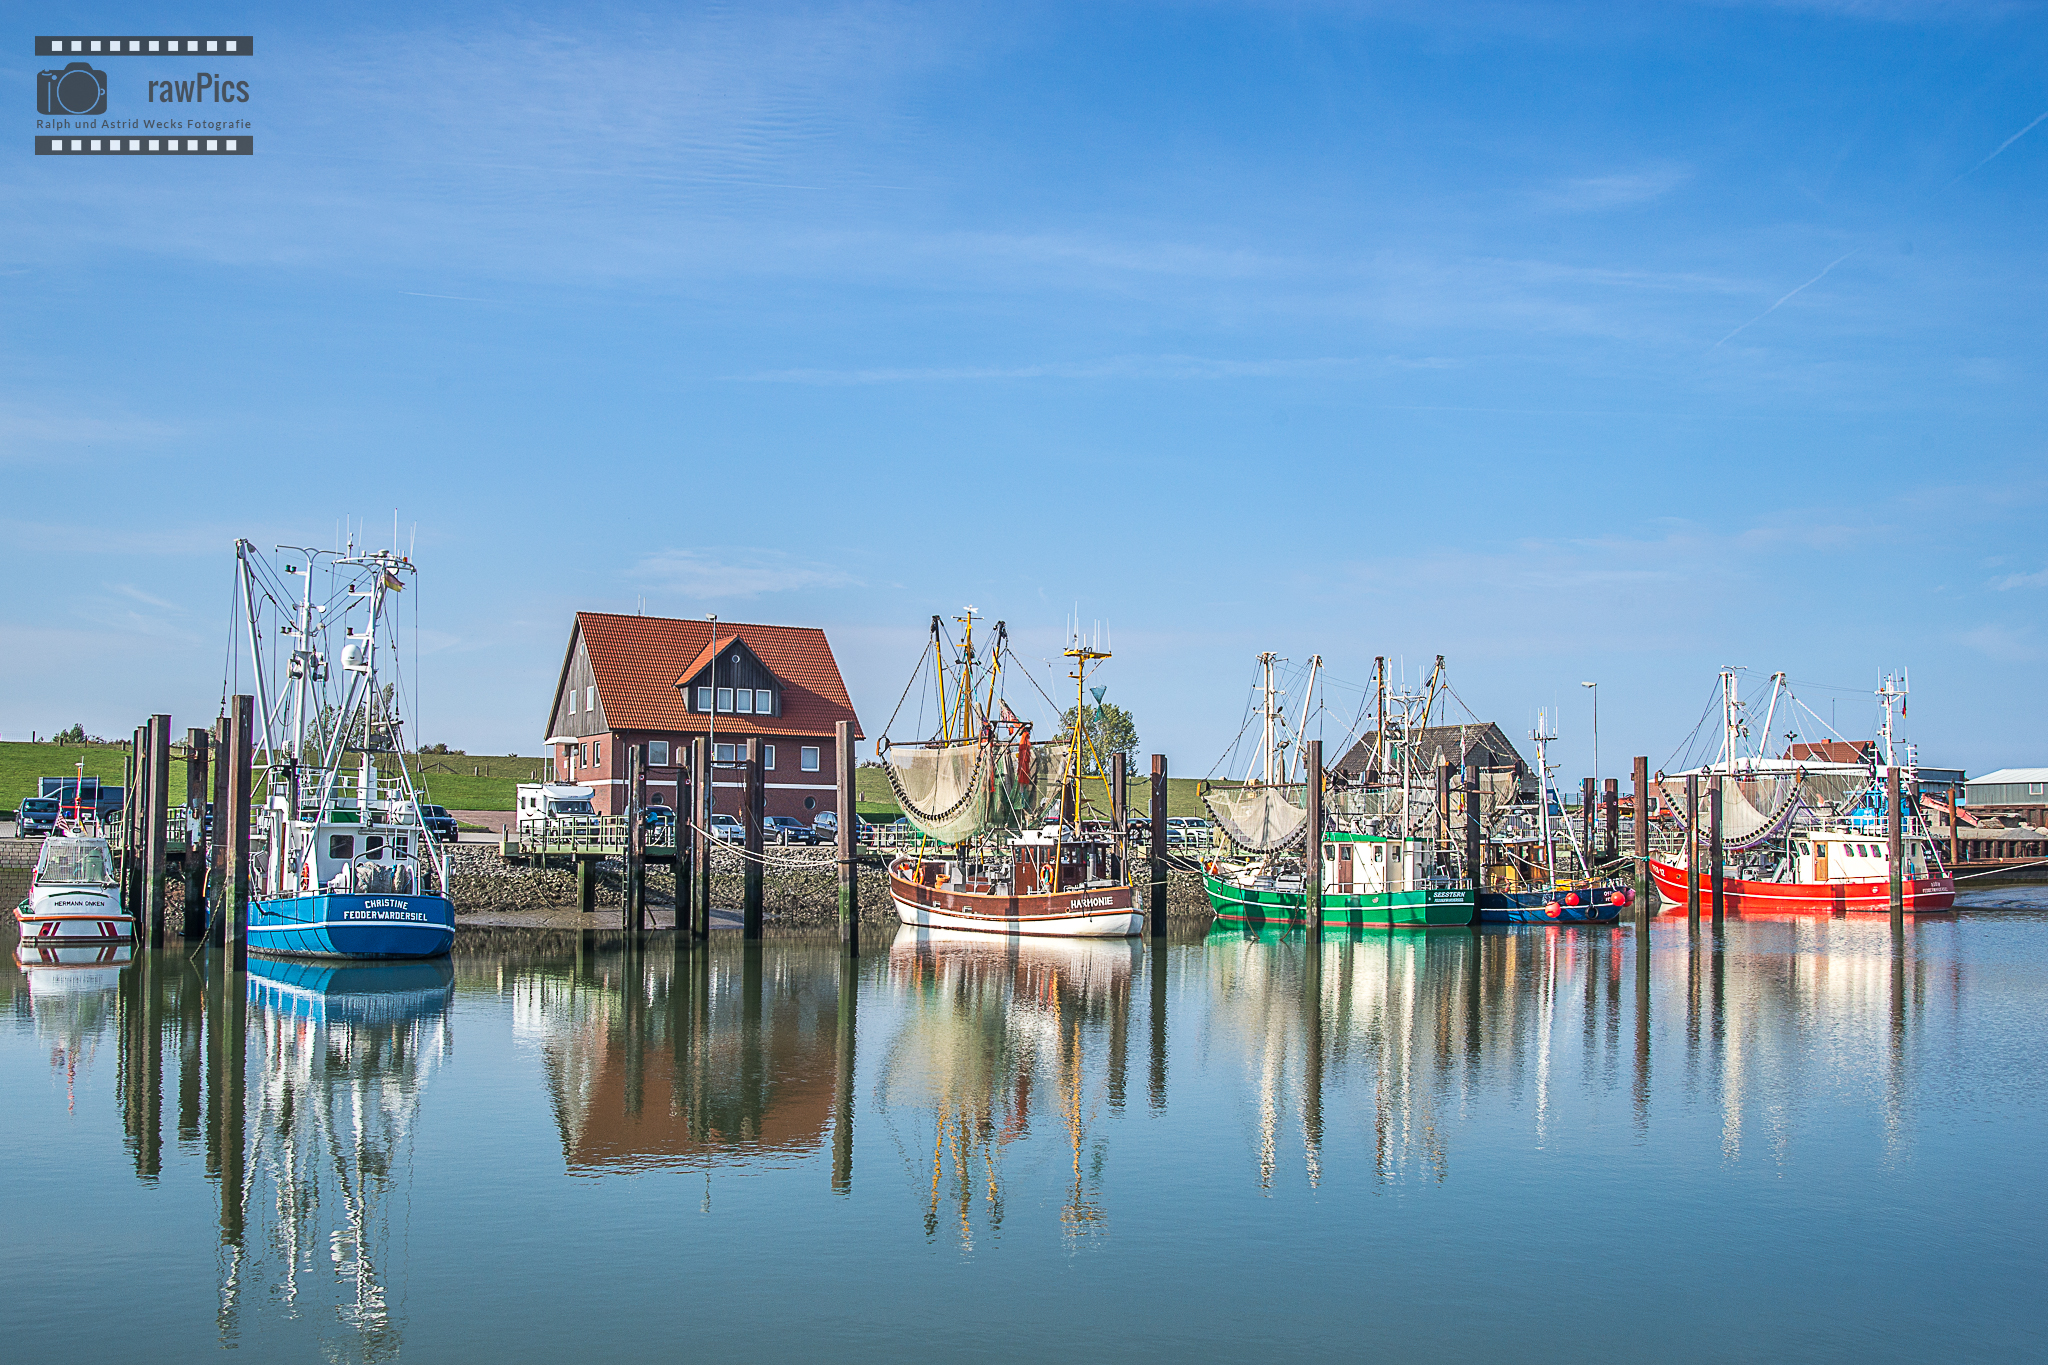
<point>22,764</point>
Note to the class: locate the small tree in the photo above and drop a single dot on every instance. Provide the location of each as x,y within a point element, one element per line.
<point>75,735</point>
<point>1110,730</point>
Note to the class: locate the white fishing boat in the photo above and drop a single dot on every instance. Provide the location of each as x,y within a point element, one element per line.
<point>74,898</point>
<point>1004,846</point>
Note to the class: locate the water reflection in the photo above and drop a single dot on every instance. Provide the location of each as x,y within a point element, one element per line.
<point>990,1035</point>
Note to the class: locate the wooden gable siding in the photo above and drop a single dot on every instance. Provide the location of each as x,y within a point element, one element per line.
<point>738,666</point>
<point>577,675</point>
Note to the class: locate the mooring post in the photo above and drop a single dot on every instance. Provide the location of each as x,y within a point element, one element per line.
<point>1312,846</point>
<point>157,831</point>
<point>704,795</point>
<point>1692,853</point>
<point>1155,899</point>
<point>1645,890</point>
<point>1587,797</point>
<point>685,842</point>
<point>217,843</point>
<point>849,867</point>
<point>1610,811</point>
<point>1119,812</point>
<point>757,842</point>
<point>132,800</point>
<point>1475,848</point>
<point>1895,846</point>
<point>1715,865</point>
<point>195,834</point>
<point>633,918</point>
<point>235,891</point>
<point>586,883</point>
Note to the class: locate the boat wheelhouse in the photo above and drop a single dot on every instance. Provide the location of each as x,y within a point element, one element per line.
<point>74,898</point>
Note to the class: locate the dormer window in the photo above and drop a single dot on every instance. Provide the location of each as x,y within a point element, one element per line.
<point>703,699</point>
<point>725,699</point>
<point>743,701</point>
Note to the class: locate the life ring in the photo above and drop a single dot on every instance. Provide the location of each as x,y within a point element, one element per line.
<point>305,875</point>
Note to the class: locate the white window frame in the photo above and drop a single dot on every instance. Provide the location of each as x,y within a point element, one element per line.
<point>703,699</point>
<point>725,700</point>
<point>657,753</point>
<point>807,758</point>
<point>743,694</point>
<point>597,753</point>
<point>590,699</point>
<point>768,757</point>
<point>725,753</point>
<point>572,700</point>
<point>764,701</point>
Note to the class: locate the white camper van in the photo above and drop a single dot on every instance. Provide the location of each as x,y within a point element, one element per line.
<point>556,805</point>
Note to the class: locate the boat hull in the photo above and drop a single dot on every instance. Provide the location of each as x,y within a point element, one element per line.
<point>334,924</point>
<point>1596,906</point>
<point>1922,895</point>
<point>74,917</point>
<point>1441,907</point>
<point>1090,912</point>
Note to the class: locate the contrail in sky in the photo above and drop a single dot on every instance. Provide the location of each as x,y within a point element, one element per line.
<point>1781,302</point>
<point>2001,147</point>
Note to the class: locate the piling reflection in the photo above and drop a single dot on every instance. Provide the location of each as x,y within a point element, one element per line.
<point>992,1035</point>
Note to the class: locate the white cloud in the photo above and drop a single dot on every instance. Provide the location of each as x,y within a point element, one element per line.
<point>1596,193</point>
<point>2037,579</point>
<point>735,571</point>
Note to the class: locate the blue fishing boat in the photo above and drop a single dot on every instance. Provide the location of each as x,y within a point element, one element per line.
<point>345,866</point>
<point>1531,878</point>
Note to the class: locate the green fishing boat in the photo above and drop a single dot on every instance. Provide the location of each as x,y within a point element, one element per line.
<point>1380,867</point>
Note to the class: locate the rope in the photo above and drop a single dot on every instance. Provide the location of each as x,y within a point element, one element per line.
<point>740,852</point>
<point>1996,870</point>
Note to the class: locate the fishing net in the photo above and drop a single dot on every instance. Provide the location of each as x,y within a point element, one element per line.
<point>1753,806</point>
<point>1259,819</point>
<point>952,792</point>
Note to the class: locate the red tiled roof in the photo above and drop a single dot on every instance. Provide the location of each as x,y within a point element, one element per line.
<point>638,660</point>
<point>1830,751</point>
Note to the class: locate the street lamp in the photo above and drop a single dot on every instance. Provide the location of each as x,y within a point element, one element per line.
<point>1596,732</point>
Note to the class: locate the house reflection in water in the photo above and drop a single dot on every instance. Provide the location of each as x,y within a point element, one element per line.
<point>654,1059</point>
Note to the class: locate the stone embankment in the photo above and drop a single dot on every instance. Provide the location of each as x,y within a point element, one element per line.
<point>800,887</point>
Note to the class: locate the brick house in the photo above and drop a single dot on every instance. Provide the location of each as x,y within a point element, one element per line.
<point>655,680</point>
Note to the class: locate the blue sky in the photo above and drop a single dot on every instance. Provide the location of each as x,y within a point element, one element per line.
<point>1570,342</point>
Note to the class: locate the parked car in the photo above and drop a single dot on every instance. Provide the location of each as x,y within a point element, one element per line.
<point>660,823</point>
<point>787,829</point>
<point>38,815</point>
<point>827,823</point>
<point>1187,829</point>
<point>727,828</point>
<point>439,823</point>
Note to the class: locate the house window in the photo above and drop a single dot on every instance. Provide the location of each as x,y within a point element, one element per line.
<point>764,704</point>
<point>810,803</point>
<point>572,701</point>
<point>703,699</point>
<point>341,847</point>
<point>743,701</point>
<point>2034,788</point>
<point>590,698</point>
<point>768,757</point>
<point>725,699</point>
<point>807,758</point>
<point>597,754</point>
<point>657,753</point>
<point>725,754</point>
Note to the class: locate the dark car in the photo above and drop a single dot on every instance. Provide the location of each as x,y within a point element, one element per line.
<point>439,823</point>
<point>787,829</point>
<point>38,815</point>
<point>660,822</point>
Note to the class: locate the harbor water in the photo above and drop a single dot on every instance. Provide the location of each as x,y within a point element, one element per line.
<point>1791,1139</point>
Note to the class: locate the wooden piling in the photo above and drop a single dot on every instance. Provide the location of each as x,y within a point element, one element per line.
<point>685,844</point>
<point>633,913</point>
<point>1587,821</point>
<point>706,780</point>
<point>132,800</point>
<point>1155,900</point>
<point>753,815</point>
<point>849,867</point>
<point>1610,813</point>
<point>1646,890</point>
<point>1312,846</point>
<point>1716,868</point>
<point>1894,828</point>
<point>156,831</point>
<point>1692,853</point>
<point>235,890</point>
<point>1119,814</point>
<point>217,844</point>
<point>195,834</point>
<point>1475,848</point>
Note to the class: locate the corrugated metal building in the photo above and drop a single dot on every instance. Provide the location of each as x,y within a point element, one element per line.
<point>2017,791</point>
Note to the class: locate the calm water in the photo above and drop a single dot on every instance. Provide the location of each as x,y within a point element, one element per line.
<point>1470,1144</point>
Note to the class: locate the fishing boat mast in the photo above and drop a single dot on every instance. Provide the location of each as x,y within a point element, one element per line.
<point>1541,736</point>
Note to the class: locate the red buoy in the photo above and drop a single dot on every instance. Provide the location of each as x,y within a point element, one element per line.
<point>1618,898</point>
<point>1571,898</point>
<point>1552,910</point>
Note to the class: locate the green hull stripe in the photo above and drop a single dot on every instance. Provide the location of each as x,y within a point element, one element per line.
<point>1418,908</point>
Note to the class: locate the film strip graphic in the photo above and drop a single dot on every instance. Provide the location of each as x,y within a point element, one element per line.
<point>159,45</point>
<point>241,144</point>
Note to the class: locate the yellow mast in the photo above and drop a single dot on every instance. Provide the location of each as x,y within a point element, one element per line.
<point>1083,746</point>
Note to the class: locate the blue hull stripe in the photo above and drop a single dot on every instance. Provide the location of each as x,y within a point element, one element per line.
<point>1527,907</point>
<point>355,926</point>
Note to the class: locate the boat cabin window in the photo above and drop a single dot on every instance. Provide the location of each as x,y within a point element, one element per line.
<point>373,846</point>
<point>399,847</point>
<point>341,846</point>
<point>73,861</point>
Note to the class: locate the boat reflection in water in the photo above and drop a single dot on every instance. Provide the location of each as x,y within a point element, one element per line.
<point>72,996</point>
<point>344,1054</point>
<point>993,1033</point>
<point>660,1059</point>
<point>1410,1032</point>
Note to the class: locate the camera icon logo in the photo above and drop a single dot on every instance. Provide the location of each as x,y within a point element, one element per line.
<point>77,89</point>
